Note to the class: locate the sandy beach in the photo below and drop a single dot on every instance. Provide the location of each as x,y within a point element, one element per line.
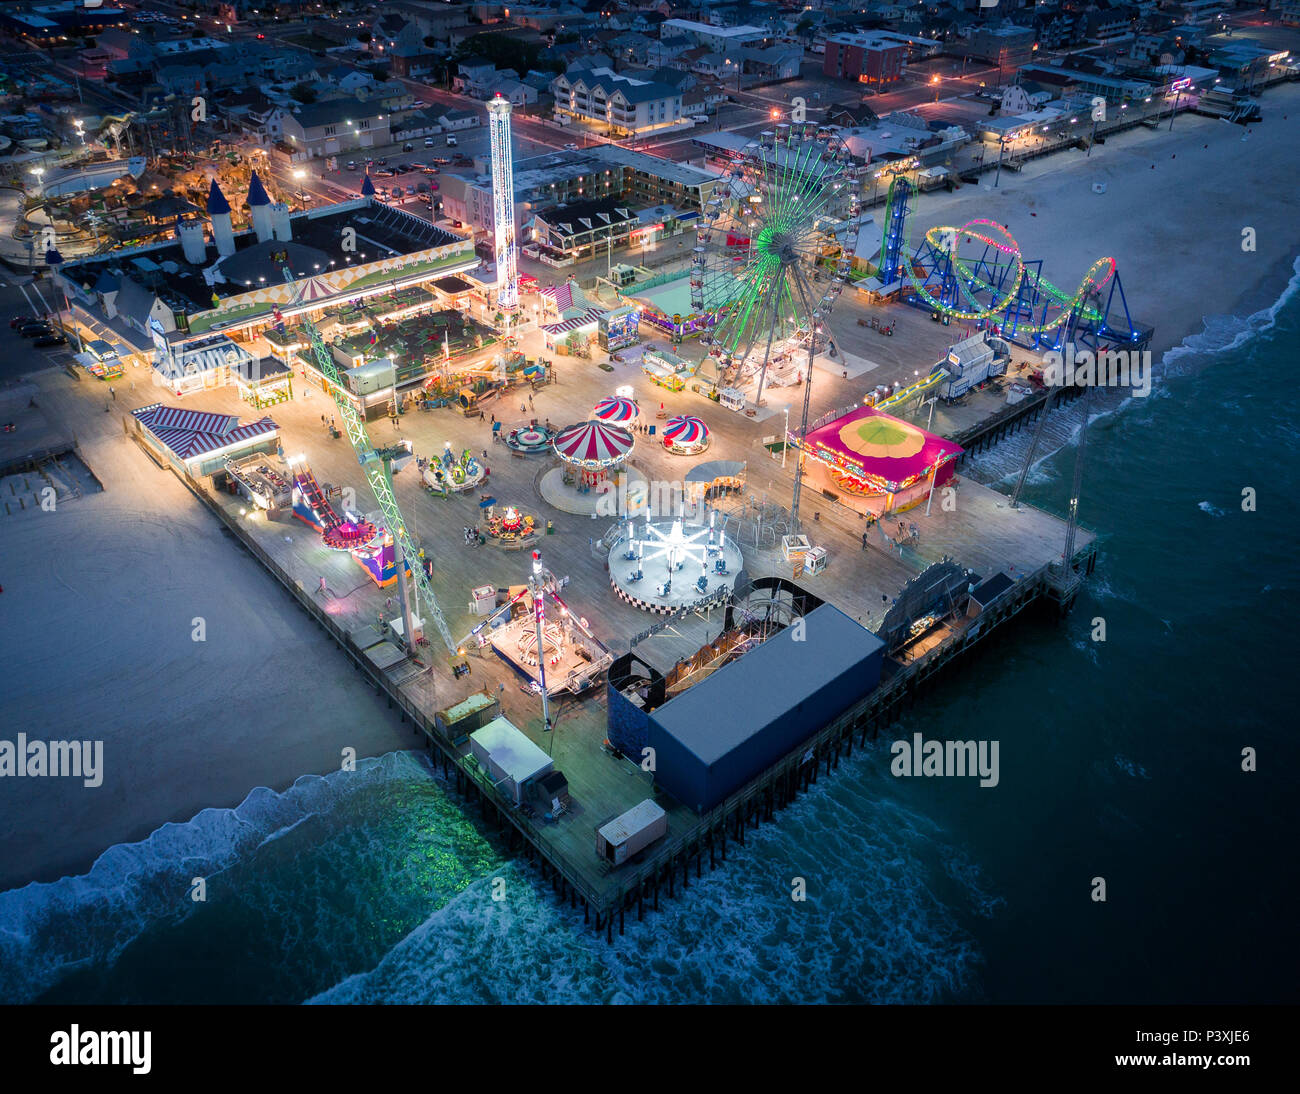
<point>98,611</point>
<point>100,597</point>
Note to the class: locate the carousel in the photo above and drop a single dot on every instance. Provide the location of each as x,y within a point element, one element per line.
<point>593,478</point>
<point>686,435</point>
<point>509,526</point>
<point>664,566</point>
<point>530,440</point>
<point>451,475</point>
<point>617,410</point>
<point>592,450</point>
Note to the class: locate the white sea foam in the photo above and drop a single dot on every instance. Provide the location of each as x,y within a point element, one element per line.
<point>50,928</point>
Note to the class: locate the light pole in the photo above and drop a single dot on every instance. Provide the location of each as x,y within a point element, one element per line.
<point>300,174</point>
<point>1002,143</point>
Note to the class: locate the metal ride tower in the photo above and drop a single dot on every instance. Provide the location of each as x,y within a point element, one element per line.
<point>377,466</point>
<point>503,205</point>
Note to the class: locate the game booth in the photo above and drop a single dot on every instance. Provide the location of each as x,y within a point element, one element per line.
<point>667,369</point>
<point>618,329</point>
<point>875,463</point>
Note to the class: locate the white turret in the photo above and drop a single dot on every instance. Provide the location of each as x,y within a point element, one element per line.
<point>223,232</point>
<point>280,222</point>
<point>193,244</point>
<point>260,204</point>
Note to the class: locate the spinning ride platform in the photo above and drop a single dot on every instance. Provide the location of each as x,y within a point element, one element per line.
<point>664,566</point>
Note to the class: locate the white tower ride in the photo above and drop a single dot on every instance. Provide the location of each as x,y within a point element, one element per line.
<point>503,205</point>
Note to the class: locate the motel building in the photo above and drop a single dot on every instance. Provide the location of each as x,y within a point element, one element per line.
<point>210,301</point>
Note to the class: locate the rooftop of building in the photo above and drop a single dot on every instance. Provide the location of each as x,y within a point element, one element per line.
<point>537,172</point>
<point>381,233</point>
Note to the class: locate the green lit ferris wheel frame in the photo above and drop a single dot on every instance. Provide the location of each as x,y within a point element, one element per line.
<point>758,269</point>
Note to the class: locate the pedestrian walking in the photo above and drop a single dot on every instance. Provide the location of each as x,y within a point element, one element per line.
<point>864,541</point>
<point>113,392</point>
<point>322,584</point>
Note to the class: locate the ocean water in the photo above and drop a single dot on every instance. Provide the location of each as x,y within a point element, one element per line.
<point>1120,760</point>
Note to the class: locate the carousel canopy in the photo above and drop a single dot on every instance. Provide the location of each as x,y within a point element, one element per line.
<point>684,430</point>
<point>878,448</point>
<point>616,409</point>
<point>593,444</point>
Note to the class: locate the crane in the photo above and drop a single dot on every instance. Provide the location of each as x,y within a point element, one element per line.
<point>377,465</point>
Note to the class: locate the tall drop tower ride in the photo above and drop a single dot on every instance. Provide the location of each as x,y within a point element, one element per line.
<point>503,205</point>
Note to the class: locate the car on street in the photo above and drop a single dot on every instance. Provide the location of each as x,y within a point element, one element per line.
<point>402,168</point>
<point>382,161</point>
<point>429,142</point>
<point>451,141</point>
<point>570,147</point>
<point>35,330</point>
<point>430,170</point>
<point>352,165</point>
<point>410,191</point>
<point>442,160</point>
<point>408,148</point>
<point>51,339</point>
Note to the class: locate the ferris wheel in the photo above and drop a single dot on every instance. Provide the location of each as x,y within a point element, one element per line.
<point>773,250</point>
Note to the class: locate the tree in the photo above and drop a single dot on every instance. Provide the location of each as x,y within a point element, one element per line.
<point>430,41</point>
<point>303,93</point>
<point>804,28</point>
<point>365,37</point>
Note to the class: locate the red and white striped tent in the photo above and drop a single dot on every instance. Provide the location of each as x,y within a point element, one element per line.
<point>685,433</point>
<point>593,445</point>
<point>616,409</point>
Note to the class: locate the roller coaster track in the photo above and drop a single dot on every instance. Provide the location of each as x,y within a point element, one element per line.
<point>378,475</point>
<point>973,279</point>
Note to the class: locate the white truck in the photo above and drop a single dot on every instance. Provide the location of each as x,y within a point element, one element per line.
<point>634,831</point>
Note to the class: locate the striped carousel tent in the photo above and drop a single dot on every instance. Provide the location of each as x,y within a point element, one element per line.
<point>686,433</point>
<point>593,445</point>
<point>616,409</point>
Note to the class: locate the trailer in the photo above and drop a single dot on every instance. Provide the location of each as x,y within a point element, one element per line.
<point>457,722</point>
<point>632,832</point>
<point>969,363</point>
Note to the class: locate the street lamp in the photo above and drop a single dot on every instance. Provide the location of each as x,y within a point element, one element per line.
<point>300,174</point>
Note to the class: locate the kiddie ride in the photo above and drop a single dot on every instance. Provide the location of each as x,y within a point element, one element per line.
<point>370,546</point>
<point>449,475</point>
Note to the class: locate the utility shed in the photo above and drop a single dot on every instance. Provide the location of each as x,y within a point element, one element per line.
<point>713,738</point>
<point>509,757</point>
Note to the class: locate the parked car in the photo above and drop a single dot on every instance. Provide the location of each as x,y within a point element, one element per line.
<point>35,330</point>
<point>21,321</point>
<point>51,339</point>
<point>570,147</point>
